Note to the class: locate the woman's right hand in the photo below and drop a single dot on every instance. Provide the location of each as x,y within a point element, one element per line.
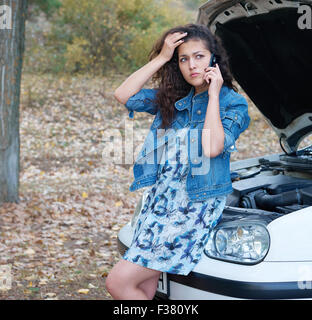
<point>172,41</point>
<point>135,82</point>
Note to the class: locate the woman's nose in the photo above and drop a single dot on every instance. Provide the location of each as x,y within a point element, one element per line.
<point>192,64</point>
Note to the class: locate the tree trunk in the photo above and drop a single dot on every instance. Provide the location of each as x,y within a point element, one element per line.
<point>12,35</point>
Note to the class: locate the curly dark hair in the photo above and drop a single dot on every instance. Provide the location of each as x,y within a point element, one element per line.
<point>169,79</point>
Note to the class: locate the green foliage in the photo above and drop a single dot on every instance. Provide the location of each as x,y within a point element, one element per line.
<point>47,6</point>
<point>97,36</point>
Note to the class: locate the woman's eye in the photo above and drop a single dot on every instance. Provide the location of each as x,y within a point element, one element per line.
<point>198,55</point>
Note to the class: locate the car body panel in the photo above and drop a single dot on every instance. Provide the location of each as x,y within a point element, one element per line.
<point>291,238</point>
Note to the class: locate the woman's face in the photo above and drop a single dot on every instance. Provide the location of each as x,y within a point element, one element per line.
<point>193,58</point>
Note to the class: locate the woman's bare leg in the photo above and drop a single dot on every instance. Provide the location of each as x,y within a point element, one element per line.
<point>129,281</point>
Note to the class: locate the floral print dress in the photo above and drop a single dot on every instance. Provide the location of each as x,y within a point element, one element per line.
<point>172,231</point>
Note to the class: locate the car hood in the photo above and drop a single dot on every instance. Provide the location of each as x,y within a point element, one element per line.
<point>270,58</point>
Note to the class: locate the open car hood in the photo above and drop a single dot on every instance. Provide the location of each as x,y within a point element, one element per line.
<point>270,58</point>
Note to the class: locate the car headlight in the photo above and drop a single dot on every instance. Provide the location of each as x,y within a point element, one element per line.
<point>240,242</point>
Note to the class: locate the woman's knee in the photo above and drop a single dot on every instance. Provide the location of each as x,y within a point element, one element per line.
<point>112,283</point>
<point>117,280</point>
<point>126,277</point>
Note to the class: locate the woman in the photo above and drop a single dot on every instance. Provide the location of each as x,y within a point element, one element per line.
<point>184,201</point>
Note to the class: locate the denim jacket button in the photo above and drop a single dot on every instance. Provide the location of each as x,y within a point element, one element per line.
<point>232,147</point>
<point>198,111</point>
<point>193,140</point>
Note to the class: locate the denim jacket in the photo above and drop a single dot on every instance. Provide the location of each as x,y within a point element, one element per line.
<point>207,177</point>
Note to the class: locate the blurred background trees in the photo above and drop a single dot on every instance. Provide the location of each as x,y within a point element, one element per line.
<point>98,36</point>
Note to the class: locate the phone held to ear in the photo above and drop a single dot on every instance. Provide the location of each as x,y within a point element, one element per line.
<point>212,63</point>
<point>213,60</point>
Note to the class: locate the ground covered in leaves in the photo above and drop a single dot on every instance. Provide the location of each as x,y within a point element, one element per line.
<point>60,239</point>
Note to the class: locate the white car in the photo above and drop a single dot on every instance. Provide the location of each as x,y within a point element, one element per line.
<point>262,247</point>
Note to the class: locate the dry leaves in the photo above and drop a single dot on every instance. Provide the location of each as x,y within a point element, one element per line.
<point>83,291</point>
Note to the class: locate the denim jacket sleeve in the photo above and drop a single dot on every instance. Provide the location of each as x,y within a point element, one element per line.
<point>235,121</point>
<point>142,101</point>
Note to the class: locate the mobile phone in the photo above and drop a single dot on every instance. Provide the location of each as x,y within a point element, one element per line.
<point>213,60</point>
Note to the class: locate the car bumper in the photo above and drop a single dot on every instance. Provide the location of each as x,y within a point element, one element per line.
<point>199,286</point>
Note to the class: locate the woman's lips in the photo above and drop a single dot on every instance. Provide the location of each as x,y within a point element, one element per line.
<point>193,75</point>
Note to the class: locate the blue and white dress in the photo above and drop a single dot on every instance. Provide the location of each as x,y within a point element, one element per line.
<point>171,230</point>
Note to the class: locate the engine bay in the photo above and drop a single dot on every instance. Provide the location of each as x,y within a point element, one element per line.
<point>280,193</point>
<point>274,186</point>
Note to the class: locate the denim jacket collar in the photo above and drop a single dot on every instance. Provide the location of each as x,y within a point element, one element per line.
<point>186,102</point>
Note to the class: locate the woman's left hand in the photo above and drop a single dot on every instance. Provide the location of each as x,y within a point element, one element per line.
<point>214,78</point>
